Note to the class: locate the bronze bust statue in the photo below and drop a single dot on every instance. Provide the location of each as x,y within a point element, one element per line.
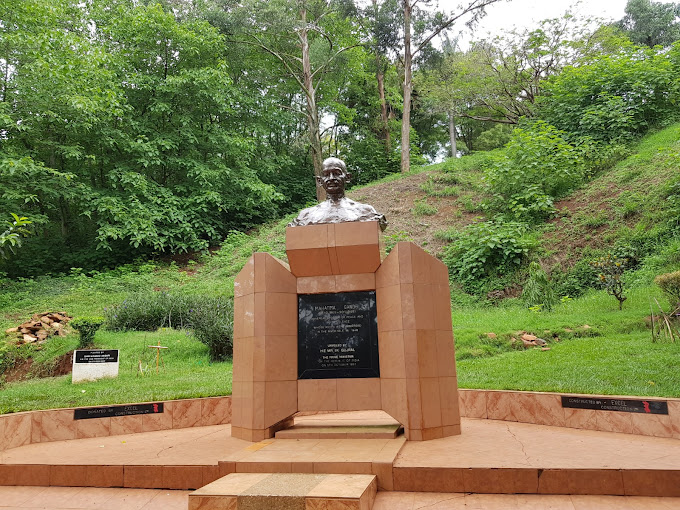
<point>336,208</point>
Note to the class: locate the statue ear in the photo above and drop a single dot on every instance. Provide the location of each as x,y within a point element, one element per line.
<point>348,177</point>
<point>318,180</point>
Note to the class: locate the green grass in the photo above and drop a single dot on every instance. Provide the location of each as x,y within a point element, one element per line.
<point>614,356</point>
<point>187,374</point>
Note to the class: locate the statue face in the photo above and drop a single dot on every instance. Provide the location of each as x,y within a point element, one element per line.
<point>333,179</point>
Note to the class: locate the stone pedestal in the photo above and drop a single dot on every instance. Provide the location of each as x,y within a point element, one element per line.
<point>417,383</point>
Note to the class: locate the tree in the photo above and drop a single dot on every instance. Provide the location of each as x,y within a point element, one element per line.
<point>471,10</point>
<point>307,38</point>
<point>10,238</point>
<point>651,23</point>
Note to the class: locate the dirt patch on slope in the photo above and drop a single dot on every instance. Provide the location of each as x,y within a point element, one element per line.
<point>27,368</point>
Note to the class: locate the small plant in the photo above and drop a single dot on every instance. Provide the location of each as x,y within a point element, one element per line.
<point>86,327</point>
<point>538,291</point>
<point>11,237</point>
<point>670,285</point>
<point>392,239</point>
<point>422,208</point>
<point>611,270</point>
<point>665,325</point>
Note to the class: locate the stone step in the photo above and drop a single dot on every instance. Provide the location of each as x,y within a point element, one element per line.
<point>286,491</point>
<point>341,432</point>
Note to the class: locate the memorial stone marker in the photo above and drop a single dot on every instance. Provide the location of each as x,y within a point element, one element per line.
<point>93,364</point>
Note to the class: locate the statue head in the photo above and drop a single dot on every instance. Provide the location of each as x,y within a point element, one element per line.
<point>334,176</point>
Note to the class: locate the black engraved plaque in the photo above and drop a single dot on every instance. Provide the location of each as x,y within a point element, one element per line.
<point>337,335</point>
<point>624,405</point>
<point>86,413</point>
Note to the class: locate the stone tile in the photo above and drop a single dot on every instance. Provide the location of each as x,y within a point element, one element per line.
<point>317,395</point>
<point>58,425</point>
<point>280,358</point>
<point>16,496</point>
<point>387,274</point>
<point>596,481</point>
<point>244,320</point>
<point>316,284</point>
<point>391,354</point>
<point>431,402</point>
<point>212,502</point>
<point>104,476</point>
<point>500,405</point>
<point>448,395</point>
<point>651,482</point>
<point>358,394</point>
<point>614,421</point>
<point>215,411</point>
<point>32,474</point>
<point>423,302</point>
<point>210,474</point>
<point>500,481</point>
<point>415,405</point>
<point>442,306</point>
<point>280,401</point>
<point>36,427</point>
<point>428,479</point>
<point>182,477</point>
<point>95,427</point>
<point>361,233</point>
<point>7,474</point>
<point>53,497</point>
<point>657,425</point>
<point>674,414</point>
<point>17,430</point>
<point>580,418</point>
<point>273,275</point>
<point>393,398</point>
<point>121,425</point>
<point>473,403</point>
<point>276,314</point>
<point>310,262</point>
<point>129,499</point>
<point>446,354</point>
<point>68,476</point>
<point>383,472</point>
<point>186,413</point>
<point>394,501</point>
<point>158,421</point>
<point>544,409</point>
<point>428,363</point>
<point>389,308</point>
<point>143,477</point>
<point>244,283</point>
<point>355,282</point>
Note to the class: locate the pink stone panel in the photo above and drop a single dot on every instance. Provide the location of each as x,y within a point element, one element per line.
<point>391,354</point>
<point>36,427</point>
<point>96,427</point>
<point>446,354</point>
<point>674,414</point>
<point>411,365</point>
<point>215,411</point>
<point>244,281</point>
<point>387,274</point>
<point>388,304</point>
<point>358,259</point>
<point>614,421</point>
<point>414,405</point>
<point>58,425</point>
<point>316,284</point>
<point>657,425</point>
<point>542,409</point>
<point>393,398</point>
<point>259,402</point>
<point>280,358</point>
<point>501,405</point>
<point>420,266</point>
<point>17,430</point>
<point>358,394</point>
<point>3,440</point>
<point>317,395</point>
<point>441,298</point>
<point>404,254</point>
<point>185,413</point>
<point>307,237</point>
<point>310,262</point>
<point>158,421</point>
<point>448,395</point>
<point>243,366</point>
<point>244,309</point>
<point>355,282</point>
<point>472,403</point>
<point>431,402</point>
<point>275,314</point>
<point>273,275</point>
<point>426,340</point>
<point>355,233</point>
<point>423,297</point>
<point>280,401</point>
<point>580,418</point>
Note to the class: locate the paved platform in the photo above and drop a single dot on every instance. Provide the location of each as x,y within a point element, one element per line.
<point>354,425</point>
<point>489,457</point>
<point>71,498</point>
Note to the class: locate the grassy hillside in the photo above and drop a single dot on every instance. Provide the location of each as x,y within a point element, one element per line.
<point>593,347</point>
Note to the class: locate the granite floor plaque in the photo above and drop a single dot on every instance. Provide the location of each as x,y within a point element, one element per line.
<point>93,364</point>
<point>337,335</point>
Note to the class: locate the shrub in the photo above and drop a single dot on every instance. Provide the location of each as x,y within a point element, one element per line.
<point>86,328</point>
<point>422,208</point>
<point>538,290</point>
<point>488,248</point>
<point>611,270</point>
<point>670,285</point>
<point>210,318</point>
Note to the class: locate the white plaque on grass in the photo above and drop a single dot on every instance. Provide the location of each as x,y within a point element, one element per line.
<point>93,364</point>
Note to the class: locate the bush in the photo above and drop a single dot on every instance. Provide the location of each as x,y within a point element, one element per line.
<point>538,290</point>
<point>210,318</point>
<point>86,328</point>
<point>488,248</point>
<point>611,270</point>
<point>537,166</point>
<point>670,285</point>
<point>422,208</point>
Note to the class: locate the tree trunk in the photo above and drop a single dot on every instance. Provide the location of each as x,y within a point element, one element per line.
<point>406,114</point>
<point>452,134</point>
<point>385,127</point>
<point>312,111</point>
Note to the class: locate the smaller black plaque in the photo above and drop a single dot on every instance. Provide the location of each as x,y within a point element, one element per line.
<point>625,405</point>
<point>96,356</point>
<point>87,413</point>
